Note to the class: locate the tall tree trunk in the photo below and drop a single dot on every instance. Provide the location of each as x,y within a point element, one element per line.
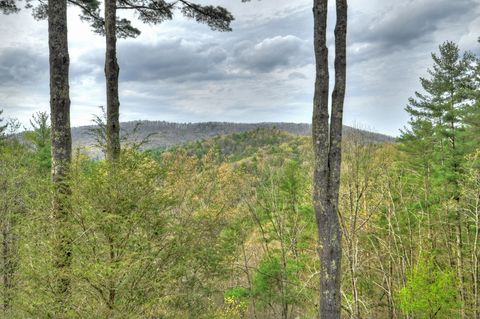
<point>327,149</point>
<point>61,147</point>
<point>328,294</point>
<point>112,71</point>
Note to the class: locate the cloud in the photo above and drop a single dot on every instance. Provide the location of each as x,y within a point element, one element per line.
<point>176,60</point>
<point>404,25</point>
<point>297,76</point>
<point>21,66</point>
<point>184,61</point>
<point>273,53</point>
<point>263,70</point>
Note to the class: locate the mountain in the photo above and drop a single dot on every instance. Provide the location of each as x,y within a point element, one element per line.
<point>166,134</point>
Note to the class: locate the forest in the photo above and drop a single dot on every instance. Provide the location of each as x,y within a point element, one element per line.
<point>243,221</point>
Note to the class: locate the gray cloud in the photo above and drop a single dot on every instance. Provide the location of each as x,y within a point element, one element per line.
<point>405,25</point>
<point>263,70</point>
<point>273,53</point>
<point>86,68</point>
<point>297,75</point>
<point>21,66</point>
<point>176,60</point>
<point>179,60</point>
<point>296,21</point>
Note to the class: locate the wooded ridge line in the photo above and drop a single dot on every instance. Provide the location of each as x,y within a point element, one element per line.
<point>164,134</point>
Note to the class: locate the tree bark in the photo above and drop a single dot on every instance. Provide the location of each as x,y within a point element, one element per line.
<point>112,71</point>
<point>327,148</point>
<point>61,147</point>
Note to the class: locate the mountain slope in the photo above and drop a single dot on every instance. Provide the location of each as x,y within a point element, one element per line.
<point>166,134</point>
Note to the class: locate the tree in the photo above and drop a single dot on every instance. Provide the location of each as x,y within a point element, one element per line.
<point>61,145</point>
<point>438,134</point>
<point>15,171</point>
<point>282,213</point>
<point>441,111</point>
<point>125,247</point>
<point>8,6</point>
<point>40,137</point>
<point>152,12</point>
<point>429,292</point>
<point>3,127</point>
<point>327,141</point>
<point>357,205</point>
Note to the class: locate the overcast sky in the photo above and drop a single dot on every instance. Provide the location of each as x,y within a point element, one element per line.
<point>262,71</point>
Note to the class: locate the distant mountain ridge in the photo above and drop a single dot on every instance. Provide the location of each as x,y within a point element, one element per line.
<point>167,134</point>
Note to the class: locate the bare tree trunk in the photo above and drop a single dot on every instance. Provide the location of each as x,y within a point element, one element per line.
<point>327,149</point>
<point>61,146</point>
<point>329,296</point>
<point>112,71</point>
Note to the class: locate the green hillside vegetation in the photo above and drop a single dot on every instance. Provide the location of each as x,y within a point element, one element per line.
<point>238,146</point>
<point>163,135</point>
<point>225,227</point>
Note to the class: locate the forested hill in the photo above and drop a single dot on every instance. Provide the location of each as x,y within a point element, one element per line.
<point>165,134</point>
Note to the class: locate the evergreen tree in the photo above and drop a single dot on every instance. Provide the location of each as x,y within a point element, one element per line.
<point>438,137</point>
<point>151,12</point>
<point>8,6</point>
<point>40,137</point>
<point>438,115</point>
<point>55,11</point>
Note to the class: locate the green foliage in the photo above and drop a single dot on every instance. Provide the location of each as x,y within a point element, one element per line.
<point>429,292</point>
<point>437,151</point>
<point>20,195</point>
<point>438,126</point>
<point>40,138</point>
<point>277,282</point>
<point>239,146</point>
<point>224,228</point>
<point>237,293</point>
<point>284,219</point>
<point>123,238</point>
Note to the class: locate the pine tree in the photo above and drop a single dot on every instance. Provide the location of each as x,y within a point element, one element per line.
<point>438,134</point>
<point>151,12</point>
<point>61,149</point>
<point>8,6</point>
<point>40,137</point>
<point>439,115</point>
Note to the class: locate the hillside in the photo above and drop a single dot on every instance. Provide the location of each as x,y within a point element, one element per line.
<point>167,134</point>
<point>237,146</point>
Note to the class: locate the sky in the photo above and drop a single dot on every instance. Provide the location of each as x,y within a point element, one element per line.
<point>262,71</point>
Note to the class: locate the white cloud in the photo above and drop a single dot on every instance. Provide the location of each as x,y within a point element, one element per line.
<point>262,71</point>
